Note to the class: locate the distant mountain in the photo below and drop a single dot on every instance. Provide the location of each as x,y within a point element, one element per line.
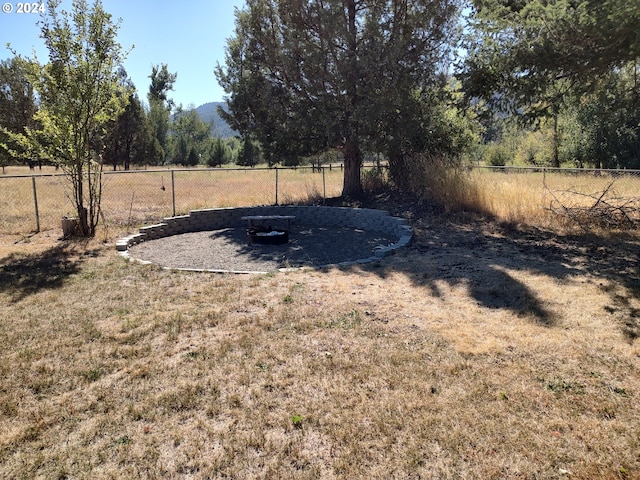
<point>209,114</point>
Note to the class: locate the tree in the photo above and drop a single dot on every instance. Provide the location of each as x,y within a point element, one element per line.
<point>128,136</point>
<point>307,76</point>
<point>217,153</point>
<point>160,106</point>
<point>526,45</point>
<point>17,107</point>
<point>193,158</point>
<point>80,94</point>
<point>529,57</point>
<point>249,155</point>
<point>610,121</point>
<point>189,133</point>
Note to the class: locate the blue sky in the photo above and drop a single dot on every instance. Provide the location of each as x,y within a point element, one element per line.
<point>189,36</point>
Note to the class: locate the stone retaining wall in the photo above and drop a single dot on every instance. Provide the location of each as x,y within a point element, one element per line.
<point>217,218</point>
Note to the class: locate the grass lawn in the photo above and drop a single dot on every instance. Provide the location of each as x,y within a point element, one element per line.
<point>481,351</point>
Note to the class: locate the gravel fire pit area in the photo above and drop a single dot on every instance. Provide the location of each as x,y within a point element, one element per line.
<point>216,240</point>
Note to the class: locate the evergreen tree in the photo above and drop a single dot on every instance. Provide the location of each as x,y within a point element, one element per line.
<point>217,153</point>
<point>160,106</point>
<point>303,77</point>
<point>128,135</point>
<point>532,57</point>
<point>193,158</point>
<point>248,155</point>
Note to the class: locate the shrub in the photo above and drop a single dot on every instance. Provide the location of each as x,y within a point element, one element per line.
<point>374,180</point>
<point>496,155</point>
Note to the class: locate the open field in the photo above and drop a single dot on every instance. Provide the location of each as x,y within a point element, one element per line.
<point>481,351</point>
<point>526,197</point>
<point>487,349</point>
<point>134,198</point>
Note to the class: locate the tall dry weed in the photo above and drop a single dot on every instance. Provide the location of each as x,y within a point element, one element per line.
<point>443,181</point>
<point>514,197</point>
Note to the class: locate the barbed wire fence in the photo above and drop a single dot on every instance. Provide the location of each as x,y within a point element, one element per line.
<point>37,202</point>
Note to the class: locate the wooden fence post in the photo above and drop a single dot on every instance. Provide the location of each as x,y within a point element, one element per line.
<point>276,185</point>
<point>35,202</point>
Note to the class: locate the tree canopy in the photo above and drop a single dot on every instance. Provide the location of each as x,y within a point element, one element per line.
<point>17,106</point>
<point>160,106</point>
<point>80,93</point>
<point>305,76</point>
<point>529,53</point>
<point>189,134</point>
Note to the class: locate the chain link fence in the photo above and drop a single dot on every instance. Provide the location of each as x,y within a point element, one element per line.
<point>587,197</point>
<point>37,202</point>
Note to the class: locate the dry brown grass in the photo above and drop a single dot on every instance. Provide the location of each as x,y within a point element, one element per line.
<point>529,197</point>
<point>132,199</point>
<point>482,351</point>
<point>477,353</point>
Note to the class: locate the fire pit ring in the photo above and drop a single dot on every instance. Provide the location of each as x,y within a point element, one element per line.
<point>314,226</point>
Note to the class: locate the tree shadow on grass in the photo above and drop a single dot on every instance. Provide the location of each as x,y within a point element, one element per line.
<point>488,258</point>
<point>454,254</point>
<point>25,275</point>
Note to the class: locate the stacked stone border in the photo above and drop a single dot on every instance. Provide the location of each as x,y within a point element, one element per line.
<point>218,218</point>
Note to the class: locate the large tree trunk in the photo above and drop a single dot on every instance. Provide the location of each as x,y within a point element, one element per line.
<point>352,186</point>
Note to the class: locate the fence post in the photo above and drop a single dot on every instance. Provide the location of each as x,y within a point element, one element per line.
<point>35,202</point>
<point>276,185</point>
<point>324,187</point>
<point>173,192</point>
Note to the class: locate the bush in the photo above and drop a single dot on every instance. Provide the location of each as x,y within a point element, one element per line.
<point>496,155</point>
<point>374,180</point>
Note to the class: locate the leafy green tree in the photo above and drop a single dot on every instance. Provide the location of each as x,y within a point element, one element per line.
<point>530,57</point>
<point>80,94</point>
<point>304,77</point>
<point>189,132</point>
<point>432,122</point>
<point>610,121</point>
<point>128,135</point>
<point>160,106</point>
<point>17,107</point>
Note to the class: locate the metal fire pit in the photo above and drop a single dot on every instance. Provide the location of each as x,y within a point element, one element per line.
<point>273,237</point>
<point>266,235</point>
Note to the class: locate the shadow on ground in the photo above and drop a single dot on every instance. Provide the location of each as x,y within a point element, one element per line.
<point>308,246</point>
<point>24,275</point>
<point>487,257</point>
<point>492,260</point>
